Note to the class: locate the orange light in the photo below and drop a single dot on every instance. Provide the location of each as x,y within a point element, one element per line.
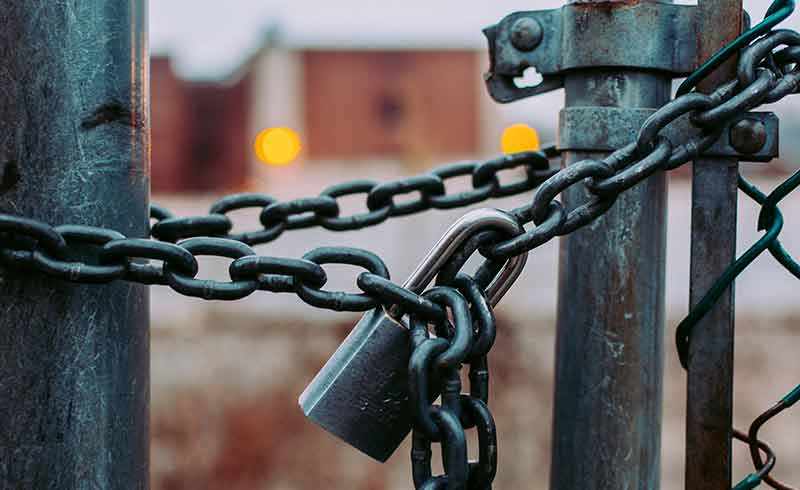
<point>519,138</point>
<point>278,146</point>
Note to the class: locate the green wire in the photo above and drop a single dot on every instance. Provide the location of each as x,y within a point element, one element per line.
<point>708,301</point>
<point>792,397</point>
<point>777,12</point>
<point>770,219</point>
<point>752,481</point>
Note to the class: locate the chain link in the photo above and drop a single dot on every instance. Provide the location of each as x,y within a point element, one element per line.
<point>768,70</point>
<point>434,370</point>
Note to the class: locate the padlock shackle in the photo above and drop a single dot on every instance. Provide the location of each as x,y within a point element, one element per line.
<point>465,227</point>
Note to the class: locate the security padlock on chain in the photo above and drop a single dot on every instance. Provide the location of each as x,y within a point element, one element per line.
<point>361,394</point>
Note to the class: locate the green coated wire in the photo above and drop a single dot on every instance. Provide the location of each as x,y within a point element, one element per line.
<point>770,219</point>
<point>751,481</point>
<point>754,479</point>
<point>777,12</point>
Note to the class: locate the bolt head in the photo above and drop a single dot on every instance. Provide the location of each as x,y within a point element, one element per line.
<point>526,34</point>
<point>748,136</point>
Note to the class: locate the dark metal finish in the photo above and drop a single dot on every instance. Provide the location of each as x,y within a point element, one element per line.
<point>609,347</point>
<point>362,393</point>
<point>379,347</point>
<point>709,413</point>
<point>592,186</point>
<point>753,136</point>
<point>336,300</point>
<point>74,358</point>
<point>572,38</point>
<point>430,375</point>
<point>748,135</point>
<point>526,34</point>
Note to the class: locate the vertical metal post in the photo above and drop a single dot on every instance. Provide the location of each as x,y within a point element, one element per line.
<point>709,413</point>
<point>74,148</point>
<point>609,341</point>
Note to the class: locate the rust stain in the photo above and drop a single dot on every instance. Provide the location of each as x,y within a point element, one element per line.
<point>602,7</point>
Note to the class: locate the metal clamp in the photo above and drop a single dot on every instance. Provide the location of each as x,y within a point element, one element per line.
<point>751,137</point>
<point>647,35</point>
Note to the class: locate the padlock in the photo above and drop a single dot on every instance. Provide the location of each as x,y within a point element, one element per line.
<point>361,394</point>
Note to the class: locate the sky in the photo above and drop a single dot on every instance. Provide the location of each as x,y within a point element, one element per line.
<point>210,38</point>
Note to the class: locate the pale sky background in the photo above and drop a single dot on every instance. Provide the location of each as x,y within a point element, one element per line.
<point>211,38</point>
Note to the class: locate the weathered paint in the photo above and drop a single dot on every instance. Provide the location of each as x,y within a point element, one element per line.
<point>709,409</point>
<point>609,341</point>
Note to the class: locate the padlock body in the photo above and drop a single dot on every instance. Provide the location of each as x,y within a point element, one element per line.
<point>361,394</point>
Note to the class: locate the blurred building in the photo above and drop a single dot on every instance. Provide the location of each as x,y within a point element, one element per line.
<point>401,103</point>
<point>200,131</point>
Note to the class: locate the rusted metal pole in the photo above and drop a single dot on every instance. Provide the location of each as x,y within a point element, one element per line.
<point>74,145</point>
<point>709,411</point>
<point>609,341</point>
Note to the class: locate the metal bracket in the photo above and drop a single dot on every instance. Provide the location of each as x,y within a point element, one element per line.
<point>610,128</point>
<point>647,35</point>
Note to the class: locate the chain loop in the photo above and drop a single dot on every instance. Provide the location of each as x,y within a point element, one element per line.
<point>130,249</point>
<point>277,274</point>
<point>483,471</point>
<point>420,366</point>
<point>568,177</point>
<point>484,331</point>
<point>533,162</point>
<point>236,202</point>
<point>357,221</point>
<point>43,234</point>
<point>292,215</point>
<point>627,177</point>
<point>78,271</point>
<point>384,194</point>
<point>391,294</point>
<point>337,300</point>
<point>749,97</point>
<point>454,454</point>
<point>175,229</point>
<point>465,198</point>
<point>207,288</point>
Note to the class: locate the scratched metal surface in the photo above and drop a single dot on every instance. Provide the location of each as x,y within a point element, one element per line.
<point>74,360</point>
<point>610,328</point>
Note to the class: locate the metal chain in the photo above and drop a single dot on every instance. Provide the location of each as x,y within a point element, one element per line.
<point>434,370</point>
<point>34,244</point>
<point>764,76</point>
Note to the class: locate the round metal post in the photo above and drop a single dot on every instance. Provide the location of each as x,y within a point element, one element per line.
<point>74,148</point>
<point>610,332</point>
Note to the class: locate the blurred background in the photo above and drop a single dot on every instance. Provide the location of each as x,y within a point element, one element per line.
<point>381,90</point>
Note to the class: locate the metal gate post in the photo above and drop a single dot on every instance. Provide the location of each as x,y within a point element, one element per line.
<point>74,148</point>
<point>709,408</point>
<point>609,341</point>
